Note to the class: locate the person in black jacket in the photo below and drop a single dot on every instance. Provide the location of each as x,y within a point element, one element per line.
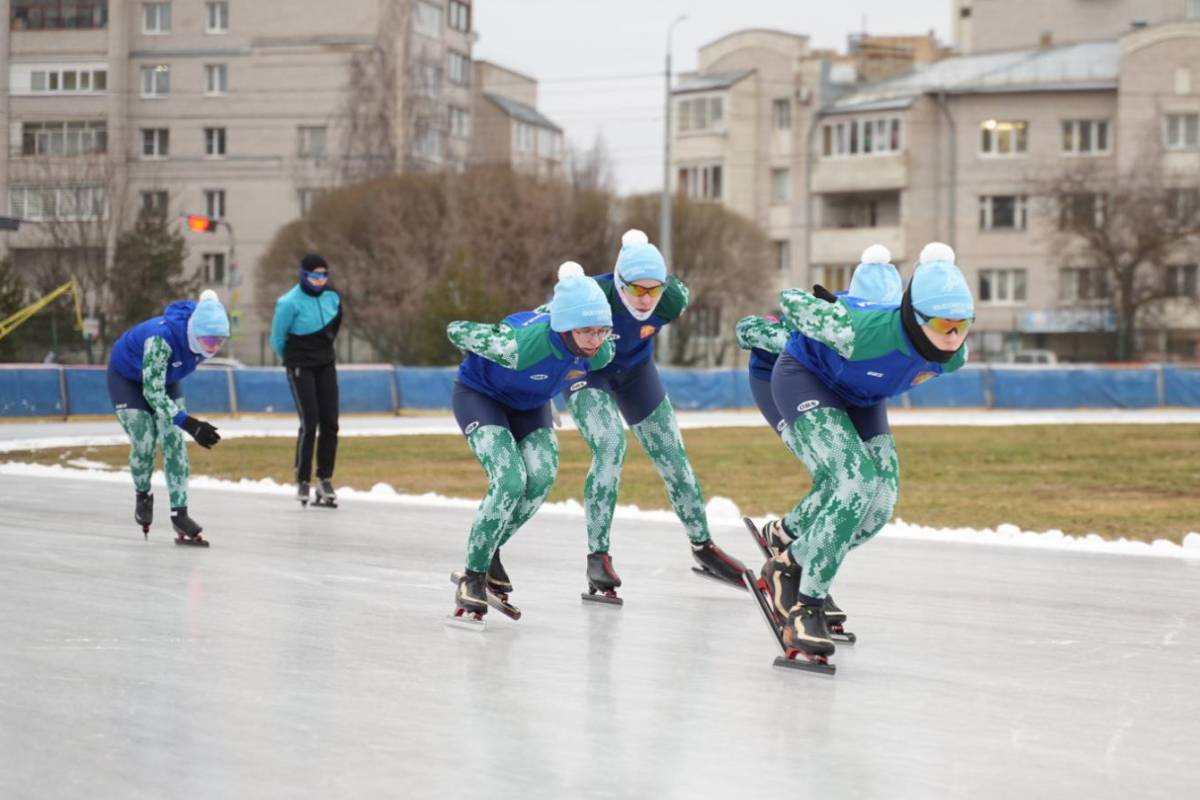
<point>303,332</point>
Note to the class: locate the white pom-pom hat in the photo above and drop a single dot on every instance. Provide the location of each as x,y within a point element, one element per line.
<point>936,251</point>
<point>639,260</point>
<point>578,301</point>
<point>876,254</point>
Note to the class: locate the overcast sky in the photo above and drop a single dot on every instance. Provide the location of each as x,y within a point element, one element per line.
<point>600,62</point>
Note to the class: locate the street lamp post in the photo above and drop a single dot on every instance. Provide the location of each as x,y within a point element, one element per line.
<point>664,223</point>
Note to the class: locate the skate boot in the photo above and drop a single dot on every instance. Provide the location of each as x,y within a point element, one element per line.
<point>778,539</point>
<point>326,496</point>
<point>835,621</point>
<point>602,580</point>
<point>497,578</point>
<point>470,601</point>
<point>186,530</point>
<point>782,578</point>
<point>302,491</point>
<point>805,632</point>
<point>143,512</point>
<point>718,565</point>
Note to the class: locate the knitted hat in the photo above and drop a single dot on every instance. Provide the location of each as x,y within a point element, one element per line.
<point>938,287</point>
<point>207,319</point>
<point>578,301</point>
<point>876,278</point>
<point>639,260</point>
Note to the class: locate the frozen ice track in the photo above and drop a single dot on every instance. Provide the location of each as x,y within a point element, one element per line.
<point>304,655</point>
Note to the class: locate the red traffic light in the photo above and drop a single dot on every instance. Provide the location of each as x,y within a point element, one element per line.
<point>201,224</point>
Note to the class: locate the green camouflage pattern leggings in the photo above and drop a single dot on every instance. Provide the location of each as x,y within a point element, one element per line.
<point>519,478</point>
<point>146,434</point>
<point>599,419</point>
<point>855,488</point>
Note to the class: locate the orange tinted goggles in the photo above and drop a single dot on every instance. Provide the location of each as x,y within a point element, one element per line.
<point>943,325</point>
<point>643,291</point>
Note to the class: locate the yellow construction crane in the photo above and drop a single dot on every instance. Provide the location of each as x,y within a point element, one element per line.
<point>14,321</point>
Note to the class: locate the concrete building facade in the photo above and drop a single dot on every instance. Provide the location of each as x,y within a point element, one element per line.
<point>951,150</point>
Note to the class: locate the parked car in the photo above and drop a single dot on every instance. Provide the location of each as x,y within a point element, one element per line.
<point>1032,357</point>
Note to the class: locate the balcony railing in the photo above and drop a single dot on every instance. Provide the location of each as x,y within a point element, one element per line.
<point>861,173</point>
<point>845,245</point>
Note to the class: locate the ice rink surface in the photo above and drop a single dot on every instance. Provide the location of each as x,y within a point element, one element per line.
<point>304,655</point>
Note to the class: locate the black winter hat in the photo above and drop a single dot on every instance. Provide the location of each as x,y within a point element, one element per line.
<point>312,261</point>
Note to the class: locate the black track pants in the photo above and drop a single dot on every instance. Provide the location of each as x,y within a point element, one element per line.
<point>315,390</point>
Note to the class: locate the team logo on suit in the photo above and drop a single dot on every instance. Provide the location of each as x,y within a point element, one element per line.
<point>922,377</point>
<point>576,373</point>
<point>648,331</point>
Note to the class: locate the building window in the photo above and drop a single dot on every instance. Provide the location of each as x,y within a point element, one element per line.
<point>213,271</point>
<point>458,67</point>
<point>216,79</point>
<point>60,81</point>
<point>1003,138</point>
<point>216,19</point>
<point>1002,286</point>
<point>460,122</point>
<point>1183,205</point>
<point>1181,281</point>
<point>860,137</point>
<point>41,15</point>
<point>1085,137</point>
<point>460,16</point>
<point>702,114</point>
<point>311,141</point>
<point>1192,9</point>
<point>62,203</point>
<point>1086,283</point>
<point>430,143</point>
<point>781,186</point>
<point>1081,210</point>
<point>1183,131</point>
<point>155,201</point>
<point>156,142</point>
<point>214,142</point>
<point>64,138</point>
<point>524,137</point>
<point>214,203</point>
<point>156,18</point>
<point>1002,212</point>
<point>429,80</point>
<point>783,255</point>
<point>308,198</point>
<point>156,80</point>
<point>428,19</point>
<point>701,182</point>
<point>781,114</point>
<point>835,278</point>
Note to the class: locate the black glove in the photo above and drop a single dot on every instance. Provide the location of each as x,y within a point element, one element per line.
<point>823,293</point>
<point>205,434</point>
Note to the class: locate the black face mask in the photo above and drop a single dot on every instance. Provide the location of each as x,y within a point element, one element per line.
<point>925,348</point>
<point>309,289</point>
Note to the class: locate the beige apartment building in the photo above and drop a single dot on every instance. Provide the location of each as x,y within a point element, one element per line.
<point>949,150</point>
<point>508,127</point>
<point>239,110</point>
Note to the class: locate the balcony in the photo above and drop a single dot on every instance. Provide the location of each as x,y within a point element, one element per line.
<point>845,245</point>
<point>860,173</point>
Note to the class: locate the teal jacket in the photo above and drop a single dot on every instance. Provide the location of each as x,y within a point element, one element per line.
<point>305,326</point>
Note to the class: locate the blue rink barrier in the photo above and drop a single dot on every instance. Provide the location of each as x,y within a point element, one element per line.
<point>34,390</point>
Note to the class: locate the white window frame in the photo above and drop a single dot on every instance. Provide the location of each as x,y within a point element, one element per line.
<point>156,18</point>
<point>156,144</point>
<point>1068,203</point>
<point>216,80</point>
<point>458,16</point>
<point>427,19</point>
<point>524,137</point>
<point>54,80</point>
<point>216,17</point>
<point>1069,284</point>
<point>1182,130</point>
<point>701,114</point>
<point>1192,9</point>
<point>781,186</point>
<point>215,142</point>
<point>156,81</point>
<point>150,201</point>
<point>1003,284</point>
<point>781,114</point>
<point>63,138</point>
<point>429,80</point>
<point>994,132</point>
<point>1182,280</point>
<point>783,254</point>
<point>430,143</point>
<point>460,122</point>
<point>57,203</point>
<point>987,213</point>
<point>214,203</point>
<point>312,141</point>
<point>849,138</point>
<point>836,277</point>
<point>458,67</point>
<point>701,181</point>
<point>210,262</point>
<point>1080,137</point>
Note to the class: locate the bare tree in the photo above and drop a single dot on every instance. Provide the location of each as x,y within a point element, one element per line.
<point>1133,228</point>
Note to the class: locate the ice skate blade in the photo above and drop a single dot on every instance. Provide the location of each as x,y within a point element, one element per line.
<point>191,542</point>
<point>845,638</point>
<point>494,600</point>
<point>603,599</point>
<point>324,504</point>
<point>466,622</point>
<point>758,537</point>
<point>802,664</point>
<point>703,573</point>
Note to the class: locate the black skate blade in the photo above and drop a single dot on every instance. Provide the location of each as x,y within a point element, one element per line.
<point>764,605</point>
<point>466,622</point>
<point>494,600</point>
<point>602,599</point>
<point>191,542</point>
<point>758,537</point>
<point>844,638</point>
<point>802,664</point>
<point>712,576</point>
<point>324,504</point>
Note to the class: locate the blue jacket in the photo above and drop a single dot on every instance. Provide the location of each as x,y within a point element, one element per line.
<point>305,326</point>
<point>635,338</point>
<point>126,356</point>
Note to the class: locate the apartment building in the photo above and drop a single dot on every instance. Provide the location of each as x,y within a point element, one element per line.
<point>508,128</point>
<point>948,150</point>
<point>240,110</point>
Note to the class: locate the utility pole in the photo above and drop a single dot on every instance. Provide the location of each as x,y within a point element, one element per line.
<point>664,224</point>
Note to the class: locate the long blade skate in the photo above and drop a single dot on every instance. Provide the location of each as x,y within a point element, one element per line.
<point>594,594</point>
<point>496,601</point>
<point>461,618</point>
<point>759,539</point>
<point>704,573</point>
<point>791,659</point>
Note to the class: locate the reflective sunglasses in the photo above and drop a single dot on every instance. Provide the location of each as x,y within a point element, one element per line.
<point>642,291</point>
<point>212,343</point>
<point>943,325</point>
<point>317,276</point>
